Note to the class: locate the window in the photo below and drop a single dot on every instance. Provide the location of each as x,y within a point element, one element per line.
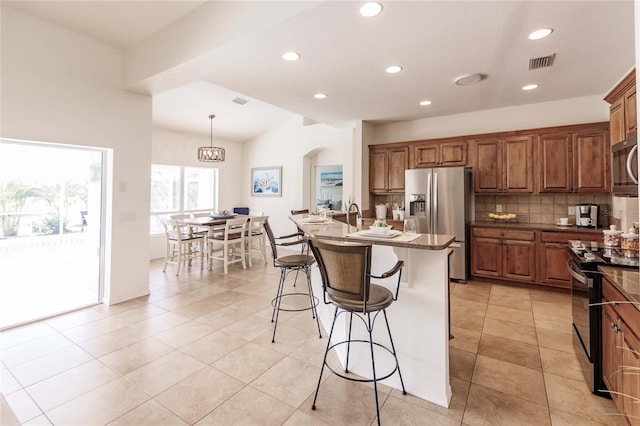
<point>176,190</point>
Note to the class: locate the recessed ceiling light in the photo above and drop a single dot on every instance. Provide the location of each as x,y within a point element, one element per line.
<point>530,87</point>
<point>394,69</point>
<point>370,9</point>
<point>541,33</point>
<point>320,95</point>
<point>425,103</point>
<point>291,56</point>
<point>468,79</point>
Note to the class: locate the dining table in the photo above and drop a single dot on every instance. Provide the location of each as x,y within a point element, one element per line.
<point>212,221</point>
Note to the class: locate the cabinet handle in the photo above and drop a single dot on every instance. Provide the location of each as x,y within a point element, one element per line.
<point>611,324</point>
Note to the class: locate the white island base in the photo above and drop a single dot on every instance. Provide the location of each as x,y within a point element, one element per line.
<point>419,323</point>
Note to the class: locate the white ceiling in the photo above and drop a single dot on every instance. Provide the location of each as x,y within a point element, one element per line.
<point>344,55</point>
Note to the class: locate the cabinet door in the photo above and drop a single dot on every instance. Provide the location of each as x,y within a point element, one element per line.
<point>556,163</point>
<point>398,163</point>
<point>617,121</point>
<point>518,164</point>
<point>631,375</point>
<point>378,170</point>
<point>630,117</point>
<point>487,172</point>
<point>519,260</point>
<point>591,162</point>
<point>487,257</point>
<point>453,154</point>
<point>427,155</point>
<point>610,352</point>
<point>553,265</point>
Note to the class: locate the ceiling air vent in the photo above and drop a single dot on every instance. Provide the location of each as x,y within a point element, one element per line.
<point>239,101</point>
<point>541,62</point>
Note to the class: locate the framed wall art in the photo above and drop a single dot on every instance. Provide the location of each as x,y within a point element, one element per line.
<point>266,181</point>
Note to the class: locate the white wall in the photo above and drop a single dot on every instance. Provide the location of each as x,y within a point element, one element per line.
<point>567,111</point>
<point>61,87</point>
<point>294,146</point>
<point>175,148</point>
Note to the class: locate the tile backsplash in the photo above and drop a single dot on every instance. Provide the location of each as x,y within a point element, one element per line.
<point>544,208</point>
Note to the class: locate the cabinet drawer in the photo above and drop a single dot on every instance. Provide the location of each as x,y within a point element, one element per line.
<point>627,311</point>
<point>564,237</point>
<point>506,235</point>
<point>488,232</point>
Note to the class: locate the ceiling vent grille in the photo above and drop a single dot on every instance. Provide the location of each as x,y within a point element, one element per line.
<point>239,101</point>
<point>541,62</point>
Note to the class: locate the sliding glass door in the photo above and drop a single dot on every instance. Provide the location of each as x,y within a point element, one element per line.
<point>51,204</point>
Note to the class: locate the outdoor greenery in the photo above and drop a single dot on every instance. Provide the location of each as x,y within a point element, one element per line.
<point>13,198</point>
<point>54,202</point>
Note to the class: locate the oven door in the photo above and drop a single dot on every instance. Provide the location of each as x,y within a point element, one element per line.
<point>586,295</point>
<point>581,286</point>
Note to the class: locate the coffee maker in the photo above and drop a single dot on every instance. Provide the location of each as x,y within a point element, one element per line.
<point>587,215</point>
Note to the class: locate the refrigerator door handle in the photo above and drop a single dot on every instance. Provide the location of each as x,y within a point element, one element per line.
<point>428,204</point>
<point>434,210</point>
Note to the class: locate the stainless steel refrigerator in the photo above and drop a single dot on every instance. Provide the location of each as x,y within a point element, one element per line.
<point>440,200</point>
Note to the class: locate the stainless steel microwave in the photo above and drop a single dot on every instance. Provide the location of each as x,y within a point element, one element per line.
<point>624,164</point>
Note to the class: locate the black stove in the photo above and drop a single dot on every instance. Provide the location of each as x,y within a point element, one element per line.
<point>586,296</point>
<point>591,254</point>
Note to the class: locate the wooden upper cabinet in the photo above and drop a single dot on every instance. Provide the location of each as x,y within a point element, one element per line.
<point>555,162</point>
<point>386,169</point>
<point>426,155</point>
<point>504,165</point>
<point>623,112</point>
<point>616,121</point>
<point>591,162</point>
<point>440,154</point>
<point>630,111</point>
<point>378,170</point>
<point>487,169</point>
<point>518,164</point>
<point>575,161</point>
<point>398,163</point>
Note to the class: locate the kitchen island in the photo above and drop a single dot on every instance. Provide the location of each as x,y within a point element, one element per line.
<point>419,319</point>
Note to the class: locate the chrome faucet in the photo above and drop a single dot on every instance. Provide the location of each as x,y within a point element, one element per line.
<point>350,210</point>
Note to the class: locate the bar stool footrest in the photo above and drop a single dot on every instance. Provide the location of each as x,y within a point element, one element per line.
<point>355,379</point>
<point>274,301</point>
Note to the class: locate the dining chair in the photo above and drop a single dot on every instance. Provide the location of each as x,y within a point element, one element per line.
<point>204,230</point>
<point>290,263</point>
<point>231,244</point>
<point>345,270</point>
<point>182,245</point>
<point>256,238</point>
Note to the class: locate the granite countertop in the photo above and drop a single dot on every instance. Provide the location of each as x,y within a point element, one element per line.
<point>536,227</point>
<point>625,280</point>
<point>338,231</point>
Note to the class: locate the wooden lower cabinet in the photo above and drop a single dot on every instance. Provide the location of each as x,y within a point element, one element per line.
<point>631,374</point>
<point>621,352</point>
<point>610,349</point>
<point>553,256</point>
<point>503,254</point>
<point>531,256</point>
<point>487,257</point>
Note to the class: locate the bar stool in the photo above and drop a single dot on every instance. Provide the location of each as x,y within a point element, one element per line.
<point>290,263</point>
<point>346,280</point>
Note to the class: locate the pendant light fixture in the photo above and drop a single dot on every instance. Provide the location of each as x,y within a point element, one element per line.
<point>213,154</point>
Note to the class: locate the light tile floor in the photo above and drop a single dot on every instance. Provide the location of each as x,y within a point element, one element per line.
<point>198,350</point>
